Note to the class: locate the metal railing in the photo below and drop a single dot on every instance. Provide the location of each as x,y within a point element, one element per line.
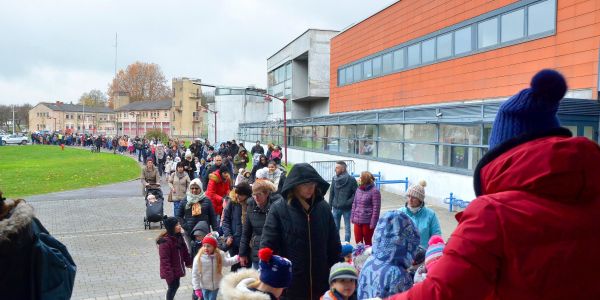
<point>379,181</point>
<point>453,201</point>
<point>327,168</point>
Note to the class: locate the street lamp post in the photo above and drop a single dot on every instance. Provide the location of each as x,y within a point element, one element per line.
<point>284,101</point>
<point>206,109</point>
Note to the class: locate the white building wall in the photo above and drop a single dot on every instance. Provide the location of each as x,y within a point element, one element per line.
<point>233,110</point>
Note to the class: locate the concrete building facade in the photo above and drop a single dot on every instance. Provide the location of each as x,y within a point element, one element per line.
<point>187,116</point>
<point>300,72</point>
<point>235,106</point>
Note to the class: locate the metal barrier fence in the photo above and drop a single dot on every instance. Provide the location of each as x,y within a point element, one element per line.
<point>379,181</point>
<point>327,168</point>
<point>452,201</point>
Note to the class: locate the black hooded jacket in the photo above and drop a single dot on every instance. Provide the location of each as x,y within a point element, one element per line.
<point>308,238</point>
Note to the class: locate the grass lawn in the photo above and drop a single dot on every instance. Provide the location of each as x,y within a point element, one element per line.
<point>37,169</point>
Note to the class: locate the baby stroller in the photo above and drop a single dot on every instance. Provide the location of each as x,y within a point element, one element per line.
<point>154,207</point>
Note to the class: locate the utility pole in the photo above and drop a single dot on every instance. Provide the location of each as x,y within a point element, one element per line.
<point>13,121</point>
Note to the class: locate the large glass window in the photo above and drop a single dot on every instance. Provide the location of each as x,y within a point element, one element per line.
<point>348,143</point>
<point>357,72</point>
<point>444,46</point>
<point>399,59</point>
<point>387,63</point>
<point>393,132</point>
<point>513,26</point>
<point>349,75</point>
<point>367,69</point>
<point>456,134</point>
<point>342,76</point>
<point>365,135</point>
<point>377,66</point>
<point>428,51</point>
<point>419,132</point>
<point>389,150</point>
<point>463,40</point>
<point>288,71</point>
<point>331,135</point>
<point>414,55</point>
<point>421,153</point>
<point>541,17</point>
<point>487,33</point>
<point>459,156</point>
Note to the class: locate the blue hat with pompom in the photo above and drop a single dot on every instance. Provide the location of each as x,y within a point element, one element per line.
<point>532,110</point>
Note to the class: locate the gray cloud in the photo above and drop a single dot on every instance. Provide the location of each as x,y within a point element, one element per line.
<point>57,50</point>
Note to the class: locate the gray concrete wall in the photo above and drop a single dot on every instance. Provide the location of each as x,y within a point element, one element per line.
<point>233,110</point>
<point>318,63</point>
<point>299,79</point>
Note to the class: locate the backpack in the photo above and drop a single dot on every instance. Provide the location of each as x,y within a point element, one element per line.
<point>53,267</point>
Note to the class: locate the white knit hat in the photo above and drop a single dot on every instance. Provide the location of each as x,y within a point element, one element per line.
<point>417,190</point>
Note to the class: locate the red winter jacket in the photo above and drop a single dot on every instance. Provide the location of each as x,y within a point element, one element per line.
<point>217,188</point>
<point>534,233</point>
<point>174,257</point>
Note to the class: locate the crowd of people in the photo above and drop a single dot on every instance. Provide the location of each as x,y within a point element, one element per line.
<point>530,233</point>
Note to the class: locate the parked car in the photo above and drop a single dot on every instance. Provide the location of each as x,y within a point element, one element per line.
<point>14,139</point>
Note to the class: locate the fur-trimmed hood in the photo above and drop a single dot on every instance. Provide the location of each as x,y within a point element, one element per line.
<point>234,286</point>
<point>20,217</point>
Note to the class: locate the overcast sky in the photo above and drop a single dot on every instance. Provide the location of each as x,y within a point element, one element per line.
<point>57,50</point>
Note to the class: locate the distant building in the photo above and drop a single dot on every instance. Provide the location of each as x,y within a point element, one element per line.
<point>72,118</point>
<point>137,118</point>
<point>300,73</point>
<point>187,117</point>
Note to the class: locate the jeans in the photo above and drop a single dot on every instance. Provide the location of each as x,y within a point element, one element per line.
<point>176,205</point>
<point>337,216</point>
<point>255,265</point>
<point>173,286</point>
<point>209,295</point>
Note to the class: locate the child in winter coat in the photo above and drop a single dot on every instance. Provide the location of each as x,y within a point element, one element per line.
<point>168,166</point>
<point>433,254</point>
<point>395,242</point>
<point>275,276</point>
<point>360,255</point>
<point>342,280</point>
<point>207,269</point>
<point>174,256</point>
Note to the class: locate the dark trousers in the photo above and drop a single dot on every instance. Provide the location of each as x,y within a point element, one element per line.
<point>173,286</point>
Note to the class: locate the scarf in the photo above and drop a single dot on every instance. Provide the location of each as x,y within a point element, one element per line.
<point>193,199</point>
<point>181,175</point>
<point>341,180</point>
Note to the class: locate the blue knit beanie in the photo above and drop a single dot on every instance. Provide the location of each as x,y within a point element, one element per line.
<point>532,110</point>
<point>275,271</point>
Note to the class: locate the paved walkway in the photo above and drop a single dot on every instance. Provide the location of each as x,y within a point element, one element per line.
<point>116,258</point>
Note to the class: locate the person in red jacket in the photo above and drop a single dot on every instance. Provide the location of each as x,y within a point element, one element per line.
<point>532,232</point>
<point>219,183</point>
<point>174,256</point>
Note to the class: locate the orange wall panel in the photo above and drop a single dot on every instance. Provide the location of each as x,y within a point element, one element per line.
<point>573,50</point>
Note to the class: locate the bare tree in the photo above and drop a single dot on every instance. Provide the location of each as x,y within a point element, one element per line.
<point>21,116</point>
<point>142,81</point>
<point>93,98</point>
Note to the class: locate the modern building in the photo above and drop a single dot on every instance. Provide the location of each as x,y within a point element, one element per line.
<point>300,73</point>
<point>414,88</point>
<point>72,118</point>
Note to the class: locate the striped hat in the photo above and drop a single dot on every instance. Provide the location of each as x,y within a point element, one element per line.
<point>342,270</point>
<point>417,190</point>
<point>434,251</point>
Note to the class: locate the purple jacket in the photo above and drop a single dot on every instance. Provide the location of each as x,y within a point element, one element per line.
<point>174,257</point>
<point>366,206</point>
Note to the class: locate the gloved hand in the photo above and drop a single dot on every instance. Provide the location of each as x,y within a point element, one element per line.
<point>198,293</point>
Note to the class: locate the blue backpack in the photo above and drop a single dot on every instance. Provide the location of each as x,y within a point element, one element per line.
<point>52,265</point>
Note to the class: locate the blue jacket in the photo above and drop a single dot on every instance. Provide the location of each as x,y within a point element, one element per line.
<point>395,242</point>
<point>426,221</point>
